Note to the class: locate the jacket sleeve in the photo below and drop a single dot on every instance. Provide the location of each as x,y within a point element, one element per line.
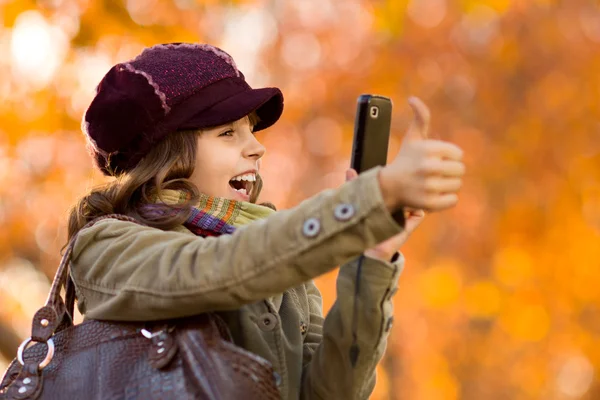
<point>125,271</point>
<point>327,371</point>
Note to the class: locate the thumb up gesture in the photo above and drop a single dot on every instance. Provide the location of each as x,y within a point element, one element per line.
<point>426,174</point>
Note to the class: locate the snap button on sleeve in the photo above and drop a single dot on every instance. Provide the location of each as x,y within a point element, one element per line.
<point>311,227</point>
<point>267,322</point>
<point>344,212</point>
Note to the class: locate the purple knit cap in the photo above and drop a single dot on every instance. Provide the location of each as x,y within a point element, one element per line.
<point>169,87</point>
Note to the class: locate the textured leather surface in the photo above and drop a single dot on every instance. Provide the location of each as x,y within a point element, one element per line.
<point>102,360</point>
<point>42,332</point>
<point>193,359</point>
<point>28,383</point>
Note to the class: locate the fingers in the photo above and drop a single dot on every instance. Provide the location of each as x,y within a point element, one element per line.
<point>444,201</point>
<point>418,213</point>
<point>452,169</point>
<point>426,174</point>
<point>444,168</point>
<point>443,149</point>
<point>412,212</point>
<point>351,174</point>
<point>419,128</point>
<point>443,185</point>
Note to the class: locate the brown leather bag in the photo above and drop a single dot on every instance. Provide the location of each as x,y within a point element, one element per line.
<point>187,358</point>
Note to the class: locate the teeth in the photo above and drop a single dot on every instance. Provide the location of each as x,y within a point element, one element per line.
<point>245,177</point>
<point>243,190</point>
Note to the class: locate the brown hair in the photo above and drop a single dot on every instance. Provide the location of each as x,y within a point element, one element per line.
<point>169,165</point>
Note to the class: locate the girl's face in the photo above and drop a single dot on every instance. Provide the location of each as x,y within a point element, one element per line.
<point>227,160</point>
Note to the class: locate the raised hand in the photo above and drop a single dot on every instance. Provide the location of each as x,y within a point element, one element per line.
<point>426,174</point>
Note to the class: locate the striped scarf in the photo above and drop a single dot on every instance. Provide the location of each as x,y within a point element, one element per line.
<point>214,216</point>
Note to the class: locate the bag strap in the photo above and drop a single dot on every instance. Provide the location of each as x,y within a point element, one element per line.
<point>68,316</point>
<point>56,312</point>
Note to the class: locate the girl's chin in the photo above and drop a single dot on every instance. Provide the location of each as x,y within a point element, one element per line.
<point>235,195</point>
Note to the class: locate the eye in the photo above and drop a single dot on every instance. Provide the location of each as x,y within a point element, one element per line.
<point>227,133</point>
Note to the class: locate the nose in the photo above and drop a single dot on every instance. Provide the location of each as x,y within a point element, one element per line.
<point>254,149</point>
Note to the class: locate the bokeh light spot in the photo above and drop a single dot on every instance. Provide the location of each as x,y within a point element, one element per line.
<point>427,13</point>
<point>301,50</point>
<point>482,299</point>
<point>37,49</point>
<point>441,284</point>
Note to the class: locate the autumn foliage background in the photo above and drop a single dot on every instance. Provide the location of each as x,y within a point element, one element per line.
<point>500,296</point>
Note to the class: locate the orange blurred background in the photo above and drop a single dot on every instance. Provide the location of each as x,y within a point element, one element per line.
<point>500,297</point>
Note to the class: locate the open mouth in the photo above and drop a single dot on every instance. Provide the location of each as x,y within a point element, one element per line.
<point>243,183</point>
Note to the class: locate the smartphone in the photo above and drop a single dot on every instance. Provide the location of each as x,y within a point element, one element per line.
<point>371,132</point>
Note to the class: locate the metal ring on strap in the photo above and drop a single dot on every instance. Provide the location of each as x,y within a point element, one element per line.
<point>49,353</point>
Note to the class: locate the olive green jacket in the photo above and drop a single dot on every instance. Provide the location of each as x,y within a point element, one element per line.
<point>260,277</point>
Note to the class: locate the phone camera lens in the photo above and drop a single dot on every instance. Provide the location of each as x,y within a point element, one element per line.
<point>374,112</point>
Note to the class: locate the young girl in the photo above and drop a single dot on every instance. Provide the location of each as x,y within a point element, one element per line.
<point>175,128</point>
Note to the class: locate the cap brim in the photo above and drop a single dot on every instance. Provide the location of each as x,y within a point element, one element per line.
<point>267,102</point>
